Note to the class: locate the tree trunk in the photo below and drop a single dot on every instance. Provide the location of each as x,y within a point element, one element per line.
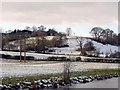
<point>24,49</point>
<point>20,49</point>
<point>66,73</point>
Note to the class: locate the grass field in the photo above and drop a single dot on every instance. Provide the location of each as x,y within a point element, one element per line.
<point>28,61</point>
<point>32,78</point>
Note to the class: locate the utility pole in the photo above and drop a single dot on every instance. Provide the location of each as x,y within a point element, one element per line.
<point>20,42</point>
<point>25,37</point>
<point>25,49</point>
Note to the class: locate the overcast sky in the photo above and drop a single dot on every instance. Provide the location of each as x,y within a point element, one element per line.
<point>80,16</point>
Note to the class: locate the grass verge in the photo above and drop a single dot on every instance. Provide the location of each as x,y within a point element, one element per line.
<point>29,62</point>
<point>32,78</point>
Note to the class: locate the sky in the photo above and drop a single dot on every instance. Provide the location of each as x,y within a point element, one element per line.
<point>81,17</point>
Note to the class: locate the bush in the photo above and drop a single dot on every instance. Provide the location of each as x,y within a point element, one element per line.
<point>89,46</point>
<point>115,55</point>
<point>57,58</point>
<point>5,56</point>
<point>62,46</point>
<point>30,58</point>
<point>51,50</point>
<point>78,59</point>
<point>18,57</point>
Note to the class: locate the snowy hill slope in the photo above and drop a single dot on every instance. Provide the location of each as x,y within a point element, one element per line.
<point>69,51</point>
<point>73,45</point>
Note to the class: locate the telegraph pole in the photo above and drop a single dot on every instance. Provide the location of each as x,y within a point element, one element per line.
<point>25,37</point>
<point>24,49</point>
<point>20,41</point>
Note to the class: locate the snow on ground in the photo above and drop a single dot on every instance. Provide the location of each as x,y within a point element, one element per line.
<point>105,48</point>
<point>73,45</point>
<point>35,55</point>
<point>47,37</point>
<point>20,69</point>
<point>71,50</point>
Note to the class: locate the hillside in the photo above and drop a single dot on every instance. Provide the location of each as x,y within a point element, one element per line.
<point>73,45</point>
<point>71,50</point>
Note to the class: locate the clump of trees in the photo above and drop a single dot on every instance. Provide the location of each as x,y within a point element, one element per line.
<point>105,36</point>
<point>19,39</point>
<point>89,46</point>
<point>85,48</point>
<point>115,55</point>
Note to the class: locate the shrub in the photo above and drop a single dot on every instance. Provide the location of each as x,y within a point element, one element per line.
<point>30,58</point>
<point>78,59</point>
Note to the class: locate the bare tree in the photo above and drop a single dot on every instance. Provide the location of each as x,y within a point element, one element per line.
<point>96,32</point>
<point>20,44</point>
<point>69,31</point>
<point>80,43</point>
<point>21,37</point>
<point>27,28</point>
<point>66,72</point>
<point>34,28</point>
<point>100,33</point>
<point>111,33</point>
<point>40,38</point>
<point>41,28</point>
<point>25,46</point>
<point>0,38</point>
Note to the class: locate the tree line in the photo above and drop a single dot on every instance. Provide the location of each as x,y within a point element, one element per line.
<point>34,39</point>
<point>105,36</point>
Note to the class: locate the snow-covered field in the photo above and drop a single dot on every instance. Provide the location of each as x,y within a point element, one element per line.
<point>71,50</point>
<point>36,55</point>
<point>73,45</point>
<point>20,69</point>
